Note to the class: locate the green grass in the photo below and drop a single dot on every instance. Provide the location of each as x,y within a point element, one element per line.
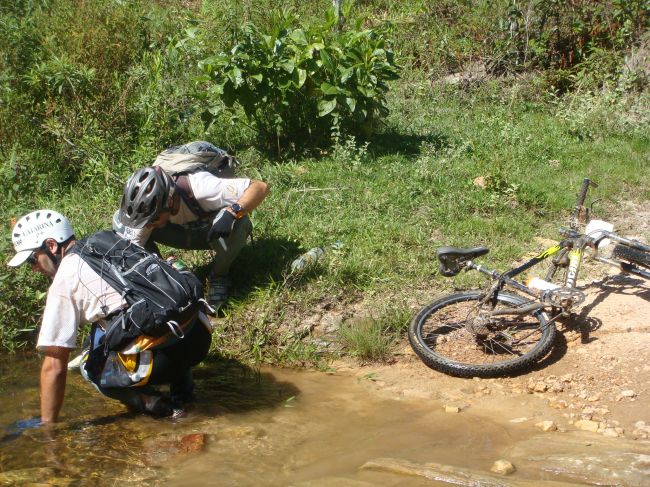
<point>391,200</point>
<point>372,339</point>
<point>366,340</point>
<point>392,203</point>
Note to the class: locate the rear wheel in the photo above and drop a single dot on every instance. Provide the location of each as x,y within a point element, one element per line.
<point>455,335</point>
<point>638,257</point>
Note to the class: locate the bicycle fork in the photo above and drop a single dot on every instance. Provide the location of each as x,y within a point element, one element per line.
<point>575,258</point>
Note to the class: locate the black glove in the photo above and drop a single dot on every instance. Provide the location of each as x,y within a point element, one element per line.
<point>222,225</point>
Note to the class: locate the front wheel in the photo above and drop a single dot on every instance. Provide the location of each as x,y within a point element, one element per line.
<point>638,257</point>
<point>458,336</point>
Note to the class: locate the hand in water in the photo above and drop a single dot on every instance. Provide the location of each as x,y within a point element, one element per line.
<point>25,424</point>
<point>14,430</point>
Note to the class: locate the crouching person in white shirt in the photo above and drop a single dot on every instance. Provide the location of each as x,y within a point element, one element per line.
<point>79,295</point>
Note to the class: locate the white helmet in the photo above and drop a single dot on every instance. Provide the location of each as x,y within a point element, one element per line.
<point>33,229</point>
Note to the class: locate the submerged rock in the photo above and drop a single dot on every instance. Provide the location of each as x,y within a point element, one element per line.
<point>502,467</point>
<point>162,449</point>
<point>546,426</point>
<point>587,425</point>
<point>582,457</point>
<point>453,475</point>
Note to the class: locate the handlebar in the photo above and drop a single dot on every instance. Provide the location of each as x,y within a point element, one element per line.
<point>578,239</point>
<point>579,209</point>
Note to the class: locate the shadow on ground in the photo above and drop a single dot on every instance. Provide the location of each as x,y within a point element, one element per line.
<point>229,386</point>
<point>392,142</point>
<point>260,263</point>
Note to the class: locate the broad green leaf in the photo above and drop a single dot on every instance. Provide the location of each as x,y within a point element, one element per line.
<point>288,66</point>
<point>346,74</point>
<point>302,77</point>
<point>351,103</point>
<point>258,77</point>
<point>329,89</point>
<point>325,107</point>
<point>217,88</point>
<point>327,61</point>
<point>208,63</point>
<point>298,36</point>
<point>203,78</point>
<point>362,89</point>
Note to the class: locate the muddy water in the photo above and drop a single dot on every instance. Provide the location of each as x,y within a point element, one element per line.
<point>247,428</point>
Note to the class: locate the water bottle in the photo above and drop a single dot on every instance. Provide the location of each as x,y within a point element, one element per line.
<point>307,259</point>
<point>541,284</point>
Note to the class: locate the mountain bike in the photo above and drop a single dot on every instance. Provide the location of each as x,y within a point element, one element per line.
<point>509,326</point>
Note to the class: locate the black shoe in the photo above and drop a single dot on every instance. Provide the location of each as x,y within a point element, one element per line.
<point>159,406</point>
<point>218,292</point>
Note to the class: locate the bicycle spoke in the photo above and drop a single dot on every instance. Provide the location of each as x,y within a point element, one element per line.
<point>506,349</point>
<point>460,335</point>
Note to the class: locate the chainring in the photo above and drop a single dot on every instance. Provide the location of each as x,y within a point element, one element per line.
<point>564,297</point>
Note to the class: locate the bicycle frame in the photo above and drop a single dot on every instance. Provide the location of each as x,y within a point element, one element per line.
<point>502,279</point>
<point>574,246</point>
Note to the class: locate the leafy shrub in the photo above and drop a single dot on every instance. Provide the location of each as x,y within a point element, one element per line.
<point>559,35</point>
<point>20,301</point>
<point>298,83</point>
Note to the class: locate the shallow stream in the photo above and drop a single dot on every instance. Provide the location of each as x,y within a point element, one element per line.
<point>268,427</point>
<point>271,427</point>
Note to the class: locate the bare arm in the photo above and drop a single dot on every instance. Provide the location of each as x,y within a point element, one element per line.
<point>253,195</point>
<point>53,377</point>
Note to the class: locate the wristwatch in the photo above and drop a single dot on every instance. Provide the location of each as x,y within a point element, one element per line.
<point>237,210</point>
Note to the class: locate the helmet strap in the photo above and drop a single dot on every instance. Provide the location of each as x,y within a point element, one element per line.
<point>174,202</point>
<point>58,256</point>
<point>54,257</point>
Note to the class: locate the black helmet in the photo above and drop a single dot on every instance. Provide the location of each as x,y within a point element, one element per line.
<point>146,194</point>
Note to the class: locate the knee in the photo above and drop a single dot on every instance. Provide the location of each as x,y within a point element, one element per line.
<point>236,240</point>
<point>243,226</point>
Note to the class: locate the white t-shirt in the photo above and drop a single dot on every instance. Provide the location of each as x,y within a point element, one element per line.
<point>76,296</point>
<point>211,193</point>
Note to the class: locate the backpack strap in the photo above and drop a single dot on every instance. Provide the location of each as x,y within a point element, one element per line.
<point>185,191</point>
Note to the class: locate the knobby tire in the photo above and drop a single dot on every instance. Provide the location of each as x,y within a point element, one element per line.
<point>439,336</point>
<point>638,257</point>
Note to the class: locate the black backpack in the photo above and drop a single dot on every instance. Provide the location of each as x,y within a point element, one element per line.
<point>159,297</point>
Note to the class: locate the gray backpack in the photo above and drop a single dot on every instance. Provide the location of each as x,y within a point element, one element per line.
<point>181,160</point>
<point>197,156</point>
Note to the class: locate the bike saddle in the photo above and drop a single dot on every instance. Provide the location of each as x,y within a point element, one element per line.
<point>452,258</point>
